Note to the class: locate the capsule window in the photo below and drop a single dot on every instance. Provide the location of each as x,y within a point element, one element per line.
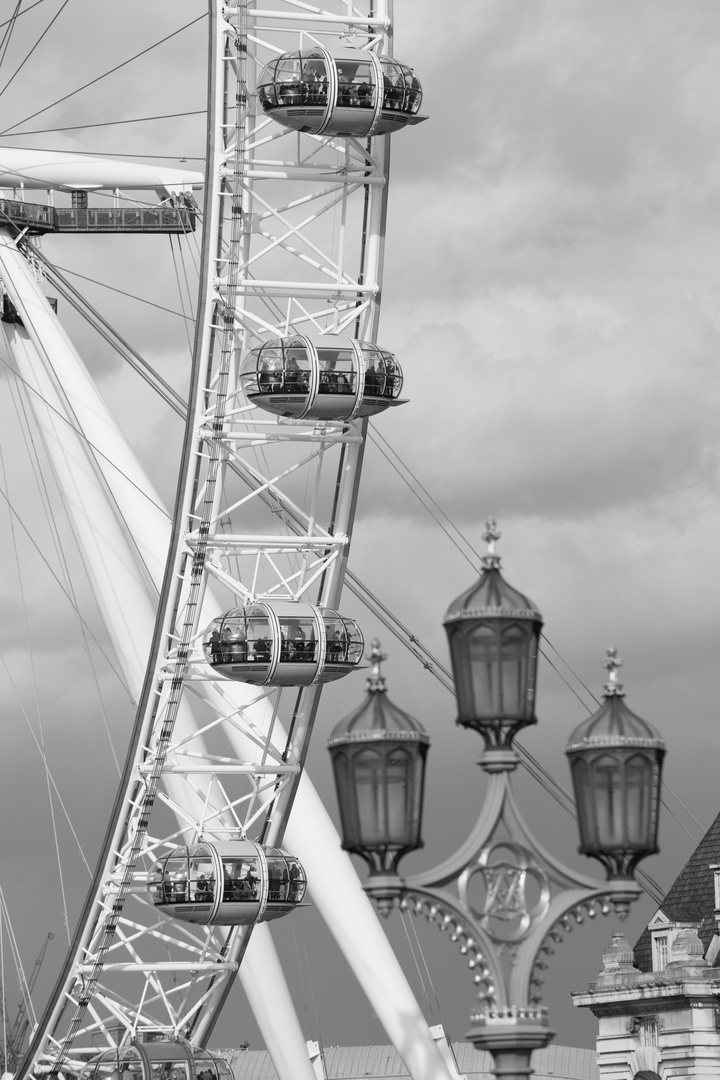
<point>288,81</point>
<point>355,643</point>
<point>169,1070</point>
<point>413,91</point>
<point>393,84</point>
<point>202,881</point>
<point>241,880</point>
<point>224,1071</point>
<point>278,879</point>
<point>130,1065</point>
<point>336,644</point>
<point>355,84</point>
<point>296,875</point>
<point>107,1070</point>
<point>298,644</point>
<point>315,81</point>
<point>176,881</point>
<point>155,884</point>
<point>270,370</point>
<point>259,638</point>
<point>393,381</point>
<point>337,371</point>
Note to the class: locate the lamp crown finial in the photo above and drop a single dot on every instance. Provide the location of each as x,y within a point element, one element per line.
<point>611,663</point>
<point>376,680</point>
<point>491,560</point>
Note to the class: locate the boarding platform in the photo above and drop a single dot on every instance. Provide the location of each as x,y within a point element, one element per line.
<point>37,219</point>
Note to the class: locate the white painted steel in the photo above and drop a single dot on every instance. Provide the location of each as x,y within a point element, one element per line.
<point>233,242</point>
<point>53,170</point>
<point>47,362</point>
<point>333,882</point>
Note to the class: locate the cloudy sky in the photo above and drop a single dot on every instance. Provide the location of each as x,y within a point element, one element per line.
<point>552,289</point>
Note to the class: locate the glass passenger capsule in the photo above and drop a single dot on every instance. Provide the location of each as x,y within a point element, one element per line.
<point>347,92</point>
<point>323,378</point>
<point>226,883</point>
<point>156,1059</point>
<point>282,643</point>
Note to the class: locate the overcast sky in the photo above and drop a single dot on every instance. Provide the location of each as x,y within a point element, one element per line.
<point>552,289</point>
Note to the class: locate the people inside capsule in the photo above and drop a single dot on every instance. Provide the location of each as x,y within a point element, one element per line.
<point>337,370</point>
<point>241,880</point>
<point>344,643</point>
<point>298,644</point>
<point>348,378</point>
<point>301,79</point>
<point>148,1060</point>
<point>239,638</point>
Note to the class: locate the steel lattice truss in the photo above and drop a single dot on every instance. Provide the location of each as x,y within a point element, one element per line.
<point>293,243</point>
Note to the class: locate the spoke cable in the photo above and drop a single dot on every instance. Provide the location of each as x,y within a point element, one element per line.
<point>33,456</point>
<point>105,74</point>
<point>13,17</point>
<point>43,757</point>
<point>108,123</point>
<point>121,292</point>
<point>31,657</point>
<point>9,32</point>
<point>45,31</point>
<point>81,435</point>
<point>180,294</point>
<point>88,630</point>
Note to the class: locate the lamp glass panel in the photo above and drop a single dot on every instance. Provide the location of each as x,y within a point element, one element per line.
<point>369,770</point>
<point>638,795</point>
<point>485,669</point>
<point>584,802</point>
<point>398,788</point>
<point>609,801</point>
<point>515,650</point>
<point>345,785</point>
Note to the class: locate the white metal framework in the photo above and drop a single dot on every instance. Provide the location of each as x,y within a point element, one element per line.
<point>292,243</point>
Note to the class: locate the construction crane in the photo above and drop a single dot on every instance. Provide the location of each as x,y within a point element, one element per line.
<point>18,1030</point>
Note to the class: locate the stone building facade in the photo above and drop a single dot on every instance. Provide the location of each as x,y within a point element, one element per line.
<point>658,1005</point>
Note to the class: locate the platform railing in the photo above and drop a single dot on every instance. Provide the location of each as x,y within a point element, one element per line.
<point>37,218</point>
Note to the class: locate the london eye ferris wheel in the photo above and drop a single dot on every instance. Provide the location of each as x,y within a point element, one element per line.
<point>215,829</point>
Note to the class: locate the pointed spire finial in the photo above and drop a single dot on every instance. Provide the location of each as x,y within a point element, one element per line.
<point>376,656</point>
<point>611,663</point>
<point>492,533</point>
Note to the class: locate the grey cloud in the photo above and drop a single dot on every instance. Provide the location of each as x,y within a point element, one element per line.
<point>590,424</point>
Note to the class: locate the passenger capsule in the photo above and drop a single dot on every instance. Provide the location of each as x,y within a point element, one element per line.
<point>282,643</point>
<point>228,883</point>
<point>158,1056</point>
<point>323,378</point>
<point>347,92</point>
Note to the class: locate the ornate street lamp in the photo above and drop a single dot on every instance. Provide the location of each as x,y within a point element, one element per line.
<point>616,762</point>
<point>378,754</point>
<point>493,633</point>
<point>503,898</point>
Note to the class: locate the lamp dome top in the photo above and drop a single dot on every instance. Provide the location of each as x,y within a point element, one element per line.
<point>377,717</point>
<point>491,595</point>
<point>614,724</point>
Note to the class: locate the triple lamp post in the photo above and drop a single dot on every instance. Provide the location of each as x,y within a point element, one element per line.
<point>502,897</point>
